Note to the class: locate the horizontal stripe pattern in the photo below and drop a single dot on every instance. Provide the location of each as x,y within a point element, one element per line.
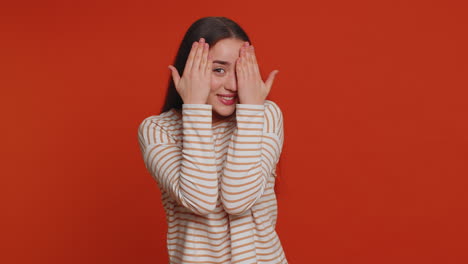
<point>217,182</point>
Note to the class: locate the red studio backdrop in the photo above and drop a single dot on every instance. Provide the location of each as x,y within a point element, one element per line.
<point>374,96</point>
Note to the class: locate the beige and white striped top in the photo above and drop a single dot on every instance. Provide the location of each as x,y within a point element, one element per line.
<point>217,181</point>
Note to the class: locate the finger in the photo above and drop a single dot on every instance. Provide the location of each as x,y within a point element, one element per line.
<point>249,53</point>
<point>209,65</point>
<point>245,48</point>
<point>250,61</point>
<point>243,59</point>
<point>242,52</point>
<point>254,61</point>
<point>204,57</point>
<point>175,75</point>
<point>246,52</point>
<point>271,78</point>
<point>188,64</point>
<point>197,59</point>
<point>239,67</point>
<point>242,48</point>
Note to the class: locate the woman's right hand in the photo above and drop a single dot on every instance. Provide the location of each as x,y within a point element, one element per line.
<point>194,85</point>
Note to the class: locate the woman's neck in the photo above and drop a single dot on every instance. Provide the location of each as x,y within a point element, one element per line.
<point>216,118</point>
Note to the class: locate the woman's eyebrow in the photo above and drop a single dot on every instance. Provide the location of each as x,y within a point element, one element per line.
<point>222,62</point>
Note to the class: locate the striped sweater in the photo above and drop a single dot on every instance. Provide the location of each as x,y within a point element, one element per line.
<point>217,181</point>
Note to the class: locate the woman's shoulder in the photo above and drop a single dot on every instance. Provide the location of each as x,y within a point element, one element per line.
<point>164,128</point>
<point>169,120</point>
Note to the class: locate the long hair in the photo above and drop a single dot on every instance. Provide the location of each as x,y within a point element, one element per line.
<point>212,29</point>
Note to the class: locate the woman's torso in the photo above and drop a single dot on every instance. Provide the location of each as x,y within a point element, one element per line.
<point>220,237</point>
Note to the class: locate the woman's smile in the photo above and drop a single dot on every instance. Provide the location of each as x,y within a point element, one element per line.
<point>227,99</point>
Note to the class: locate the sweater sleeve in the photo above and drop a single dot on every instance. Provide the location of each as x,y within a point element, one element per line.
<point>188,173</point>
<point>252,155</point>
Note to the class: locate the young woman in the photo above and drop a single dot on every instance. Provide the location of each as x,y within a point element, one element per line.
<point>213,150</point>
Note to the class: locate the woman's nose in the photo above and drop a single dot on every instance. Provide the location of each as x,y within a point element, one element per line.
<point>231,83</point>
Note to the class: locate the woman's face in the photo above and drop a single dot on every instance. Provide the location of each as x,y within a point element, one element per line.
<point>223,95</point>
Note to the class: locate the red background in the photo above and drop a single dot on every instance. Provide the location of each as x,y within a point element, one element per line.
<point>374,166</point>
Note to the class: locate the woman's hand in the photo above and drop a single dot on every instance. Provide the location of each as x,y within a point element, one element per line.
<point>251,88</point>
<point>194,86</point>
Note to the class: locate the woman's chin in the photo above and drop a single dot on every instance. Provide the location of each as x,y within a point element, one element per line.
<point>224,111</point>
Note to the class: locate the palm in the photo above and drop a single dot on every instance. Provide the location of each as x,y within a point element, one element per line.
<point>194,85</point>
<point>252,89</point>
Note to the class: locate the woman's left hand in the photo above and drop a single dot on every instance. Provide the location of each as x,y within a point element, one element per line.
<point>251,88</point>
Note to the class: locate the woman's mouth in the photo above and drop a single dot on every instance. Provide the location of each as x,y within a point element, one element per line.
<point>227,99</point>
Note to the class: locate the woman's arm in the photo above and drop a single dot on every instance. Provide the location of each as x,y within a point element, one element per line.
<point>188,173</point>
<point>252,155</point>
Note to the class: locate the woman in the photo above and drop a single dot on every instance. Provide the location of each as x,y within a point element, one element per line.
<point>213,150</point>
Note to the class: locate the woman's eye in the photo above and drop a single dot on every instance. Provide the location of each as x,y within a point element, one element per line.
<point>219,70</point>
